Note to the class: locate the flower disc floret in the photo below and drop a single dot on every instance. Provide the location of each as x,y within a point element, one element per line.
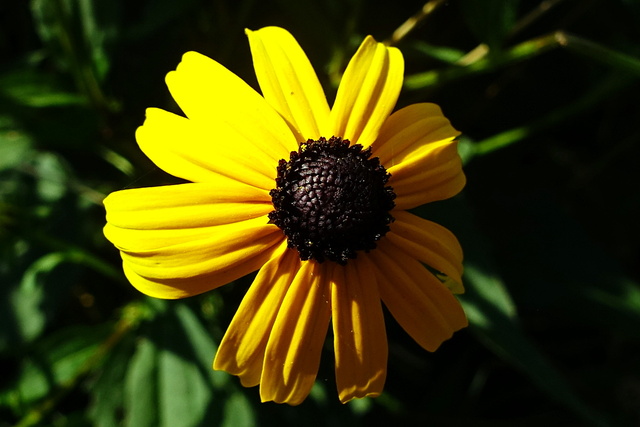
<point>331,200</point>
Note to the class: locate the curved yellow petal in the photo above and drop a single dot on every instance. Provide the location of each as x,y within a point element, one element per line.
<point>220,101</point>
<point>189,238</point>
<point>360,339</point>
<point>185,206</point>
<point>430,243</point>
<point>409,131</point>
<point>288,81</point>
<point>367,93</point>
<point>242,349</point>
<point>293,352</point>
<point>151,254</point>
<point>418,301</point>
<point>186,149</point>
<point>430,174</point>
<point>182,287</point>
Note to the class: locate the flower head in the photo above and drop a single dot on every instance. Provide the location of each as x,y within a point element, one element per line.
<point>313,198</point>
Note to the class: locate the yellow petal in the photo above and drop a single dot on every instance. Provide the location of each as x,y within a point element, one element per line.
<point>242,349</point>
<point>186,149</point>
<point>360,340</point>
<point>293,352</point>
<point>432,173</point>
<point>288,81</point>
<point>200,265</point>
<point>144,219</point>
<point>418,301</point>
<point>181,287</point>
<point>186,205</point>
<point>368,92</point>
<point>219,100</point>
<point>409,131</point>
<point>151,254</point>
<point>429,243</point>
<point>176,241</point>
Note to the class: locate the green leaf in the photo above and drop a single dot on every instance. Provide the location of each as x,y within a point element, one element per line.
<point>141,387</point>
<point>30,88</point>
<point>28,299</point>
<point>184,393</point>
<point>107,395</point>
<point>238,412</point>
<point>35,300</point>
<point>445,54</point>
<point>166,384</point>
<point>15,146</point>
<point>202,344</point>
<point>53,175</point>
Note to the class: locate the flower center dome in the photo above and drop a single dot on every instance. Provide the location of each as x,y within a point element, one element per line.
<point>331,200</point>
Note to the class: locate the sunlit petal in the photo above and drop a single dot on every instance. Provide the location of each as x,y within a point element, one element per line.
<point>186,149</point>
<point>186,206</point>
<point>242,349</point>
<point>368,92</point>
<point>288,81</point>
<point>360,340</point>
<point>170,234</point>
<point>220,101</point>
<point>434,173</point>
<point>410,131</point>
<point>429,243</point>
<point>418,301</point>
<point>293,352</point>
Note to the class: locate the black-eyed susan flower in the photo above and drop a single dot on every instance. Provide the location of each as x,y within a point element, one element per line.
<point>314,198</point>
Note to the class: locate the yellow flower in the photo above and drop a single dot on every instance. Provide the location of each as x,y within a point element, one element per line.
<point>313,197</point>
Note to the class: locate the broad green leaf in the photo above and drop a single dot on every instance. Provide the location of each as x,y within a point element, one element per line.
<point>184,393</point>
<point>107,394</point>
<point>35,300</point>
<point>53,177</point>
<point>29,298</point>
<point>15,146</point>
<point>238,412</point>
<point>141,387</point>
<point>166,385</point>
<point>203,346</point>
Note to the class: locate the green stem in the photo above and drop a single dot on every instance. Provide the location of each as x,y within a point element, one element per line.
<point>484,63</point>
<point>411,23</point>
<point>600,53</point>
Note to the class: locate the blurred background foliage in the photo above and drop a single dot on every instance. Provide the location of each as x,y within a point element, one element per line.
<point>546,93</point>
